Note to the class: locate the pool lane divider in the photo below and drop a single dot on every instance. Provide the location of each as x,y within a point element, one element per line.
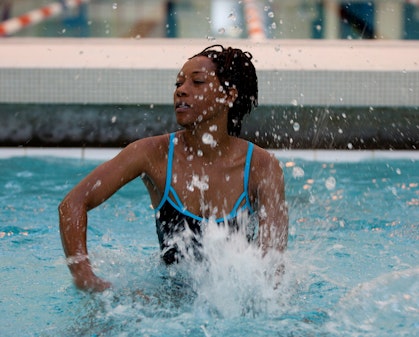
<point>11,26</point>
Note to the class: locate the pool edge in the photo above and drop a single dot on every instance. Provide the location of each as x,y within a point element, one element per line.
<point>313,155</point>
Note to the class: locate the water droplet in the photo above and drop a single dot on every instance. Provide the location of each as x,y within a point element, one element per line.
<point>271,14</point>
<point>113,119</point>
<point>200,153</point>
<point>297,172</point>
<point>207,138</point>
<point>221,30</point>
<point>312,199</point>
<point>97,184</point>
<point>115,5</point>
<point>398,171</point>
<point>330,183</point>
<point>200,183</point>
<point>294,102</point>
<point>296,126</point>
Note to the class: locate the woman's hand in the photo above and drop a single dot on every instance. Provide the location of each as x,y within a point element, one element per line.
<point>84,278</point>
<point>92,283</point>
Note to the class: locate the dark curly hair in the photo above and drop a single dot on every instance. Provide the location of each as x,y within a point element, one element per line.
<point>234,68</point>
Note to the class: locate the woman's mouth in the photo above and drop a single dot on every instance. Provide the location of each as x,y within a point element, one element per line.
<point>181,106</point>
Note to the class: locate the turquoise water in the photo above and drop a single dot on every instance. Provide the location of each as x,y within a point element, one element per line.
<point>351,267</point>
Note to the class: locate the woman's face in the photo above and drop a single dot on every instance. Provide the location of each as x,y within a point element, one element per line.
<point>198,96</point>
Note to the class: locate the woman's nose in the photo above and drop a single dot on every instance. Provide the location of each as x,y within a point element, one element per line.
<point>181,90</point>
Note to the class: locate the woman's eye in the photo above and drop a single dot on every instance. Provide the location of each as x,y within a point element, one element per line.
<point>178,84</point>
<point>199,82</point>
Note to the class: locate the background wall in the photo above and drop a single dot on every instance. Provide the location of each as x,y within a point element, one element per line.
<point>329,94</point>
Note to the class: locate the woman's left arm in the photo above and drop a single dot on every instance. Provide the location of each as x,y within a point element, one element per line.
<point>271,204</point>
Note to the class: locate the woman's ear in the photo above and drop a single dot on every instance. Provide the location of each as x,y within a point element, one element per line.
<point>232,95</point>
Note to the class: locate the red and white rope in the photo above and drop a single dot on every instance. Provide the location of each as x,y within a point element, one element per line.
<point>13,25</point>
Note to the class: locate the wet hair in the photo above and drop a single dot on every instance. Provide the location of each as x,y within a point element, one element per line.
<point>234,68</point>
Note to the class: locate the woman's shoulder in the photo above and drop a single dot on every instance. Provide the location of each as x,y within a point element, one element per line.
<point>156,145</point>
<point>264,160</point>
<point>261,153</point>
<point>146,152</point>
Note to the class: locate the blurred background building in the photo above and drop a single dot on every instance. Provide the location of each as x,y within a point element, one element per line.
<point>278,19</point>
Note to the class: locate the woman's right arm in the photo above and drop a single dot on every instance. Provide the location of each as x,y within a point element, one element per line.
<point>73,228</point>
<point>94,189</point>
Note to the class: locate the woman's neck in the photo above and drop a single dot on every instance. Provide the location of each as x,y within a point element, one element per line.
<point>209,143</point>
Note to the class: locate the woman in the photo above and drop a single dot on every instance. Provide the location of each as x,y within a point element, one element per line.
<point>196,177</point>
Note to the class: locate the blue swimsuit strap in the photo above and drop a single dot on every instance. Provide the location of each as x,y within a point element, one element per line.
<point>178,205</point>
<point>168,170</point>
<point>245,193</point>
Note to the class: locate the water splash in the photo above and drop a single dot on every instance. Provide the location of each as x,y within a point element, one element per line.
<point>234,279</point>
<point>388,305</point>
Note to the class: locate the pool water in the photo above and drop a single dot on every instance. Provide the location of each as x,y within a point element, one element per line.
<point>351,268</point>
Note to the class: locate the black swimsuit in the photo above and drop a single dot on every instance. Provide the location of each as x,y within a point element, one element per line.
<point>179,230</point>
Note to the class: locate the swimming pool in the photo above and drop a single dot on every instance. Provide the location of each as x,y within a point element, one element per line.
<point>351,266</point>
